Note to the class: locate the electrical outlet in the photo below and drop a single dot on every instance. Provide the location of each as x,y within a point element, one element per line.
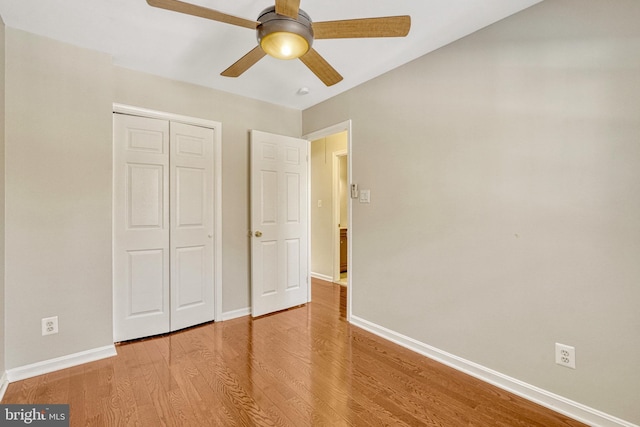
<point>566,355</point>
<point>50,325</point>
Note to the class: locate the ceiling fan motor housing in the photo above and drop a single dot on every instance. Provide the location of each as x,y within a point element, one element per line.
<point>271,22</point>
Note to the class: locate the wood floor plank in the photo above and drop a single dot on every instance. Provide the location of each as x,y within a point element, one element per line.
<point>292,372</point>
<point>266,375</point>
<point>76,394</point>
<point>124,400</point>
<point>22,391</point>
<point>301,367</point>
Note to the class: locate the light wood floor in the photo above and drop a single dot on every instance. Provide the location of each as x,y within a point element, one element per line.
<point>306,366</point>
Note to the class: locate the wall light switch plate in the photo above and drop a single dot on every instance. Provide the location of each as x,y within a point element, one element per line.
<point>365,196</point>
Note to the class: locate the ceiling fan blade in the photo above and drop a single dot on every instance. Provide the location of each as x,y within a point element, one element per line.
<point>244,63</point>
<point>321,67</point>
<point>203,12</point>
<point>288,8</point>
<point>389,26</point>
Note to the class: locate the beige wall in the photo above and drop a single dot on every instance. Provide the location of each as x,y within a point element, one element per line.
<point>58,198</point>
<point>322,151</point>
<point>2,261</point>
<point>59,187</point>
<point>504,209</point>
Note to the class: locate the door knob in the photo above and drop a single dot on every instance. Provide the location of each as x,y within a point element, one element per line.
<point>258,234</point>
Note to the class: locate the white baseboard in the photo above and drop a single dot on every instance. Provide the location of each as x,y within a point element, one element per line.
<point>51,365</point>
<point>234,314</point>
<point>3,384</point>
<point>557,403</point>
<point>322,277</point>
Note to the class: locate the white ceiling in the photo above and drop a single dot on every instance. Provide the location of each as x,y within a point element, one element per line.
<point>197,50</point>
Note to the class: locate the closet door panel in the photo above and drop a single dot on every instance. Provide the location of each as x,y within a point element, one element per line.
<point>141,227</point>
<point>192,225</point>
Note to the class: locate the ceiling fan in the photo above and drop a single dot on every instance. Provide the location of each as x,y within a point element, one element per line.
<point>285,31</point>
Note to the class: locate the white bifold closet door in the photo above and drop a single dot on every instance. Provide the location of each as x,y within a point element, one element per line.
<point>163,226</point>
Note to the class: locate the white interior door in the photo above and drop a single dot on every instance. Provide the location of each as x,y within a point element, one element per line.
<point>279,222</point>
<point>192,228</point>
<point>141,227</point>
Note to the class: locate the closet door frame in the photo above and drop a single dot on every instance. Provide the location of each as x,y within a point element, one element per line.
<point>217,189</point>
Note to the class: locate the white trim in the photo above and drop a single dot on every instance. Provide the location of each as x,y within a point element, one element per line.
<point>322,133</point>
<point>217,200</point>
<point>322,277</point>
<point>309,293</point>
<point>234,314</point>
<point>154,114</point>
<point>63,362</point>
<point>4,382</point>
<point>331,130</point>
<point>575,410</point>
<point>217,129</point>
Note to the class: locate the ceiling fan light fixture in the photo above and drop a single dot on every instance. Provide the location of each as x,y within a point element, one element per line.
<point>284,45</point>
<point>283,37</point>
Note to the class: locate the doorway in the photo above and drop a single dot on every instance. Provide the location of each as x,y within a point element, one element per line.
<point>330,214</point>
